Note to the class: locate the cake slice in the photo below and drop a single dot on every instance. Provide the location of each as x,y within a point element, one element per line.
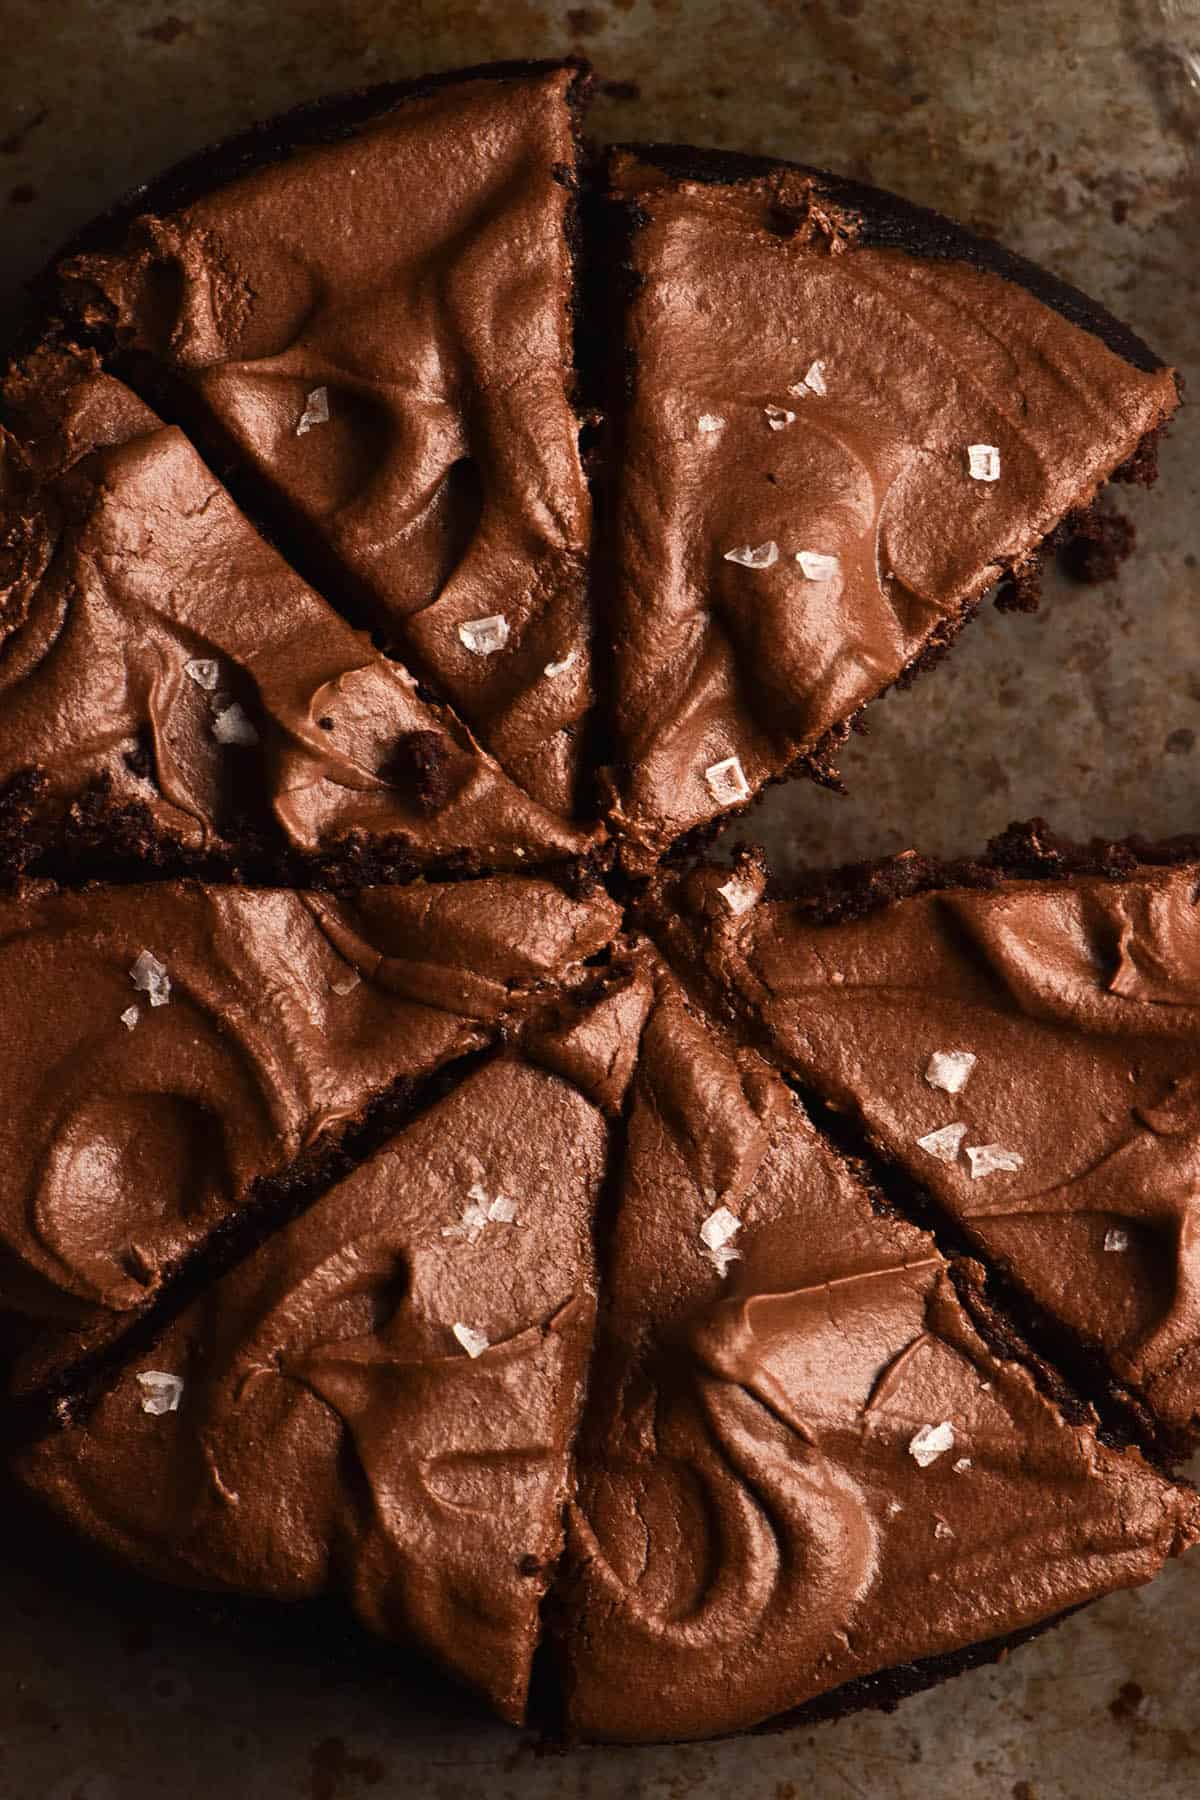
<point>842,420</point>
<point>802,1470</point>
<point>185,1061</point>
<point>380,1401</point>
<point>1026,1055</point>
<point>368,308</point>
<point>170,683</point>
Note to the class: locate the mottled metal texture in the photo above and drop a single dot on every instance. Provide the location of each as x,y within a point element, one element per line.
<point>1068,128</point>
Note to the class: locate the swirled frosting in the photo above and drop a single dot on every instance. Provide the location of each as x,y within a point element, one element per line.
<point>138,607</point>
<point>1080,1002</point>
<point>799,391</point>
<point>335,1345</point>
<point>417,277</point>
<point>125,1138</point>
<point>759,1516</point>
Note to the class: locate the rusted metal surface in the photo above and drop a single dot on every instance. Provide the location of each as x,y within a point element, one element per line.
<point>1068,127</point>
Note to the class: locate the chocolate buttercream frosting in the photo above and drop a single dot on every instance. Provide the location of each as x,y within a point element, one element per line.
<point>382,329</point>
<point>1027,1056</point>
<point>800,1463</point>
<point>835,442</point>
<point>441,1362</point>
<point>179,1044</point>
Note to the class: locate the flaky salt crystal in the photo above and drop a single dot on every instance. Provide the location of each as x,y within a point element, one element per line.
<point>232,726</point>
<point>560,668</point>
<point>204,672</point>
<point>987,1159</point>
<point>717,1234</point>
<point>754,556</point>
<point>346,984</point>
<point>727,781</point>
<point>778,417</point>
<point>160,1392</point>
<point>932,1441</point>
<point>813,382</point>
<point>815,566</point>
<point>316,411</point>
<point>1116,1239</point>
<point>503,1211</point>
<point>950,1070</point>
<point>473,1342</point>
<point>945,1142</point>
<point>130,1017</point>
<point>483,637</point>
<point>150,977</point>
<point>740,893</point>
<point>983,461</point>
<point>894,1508</point>
<point>942,1530</point>
<point>962,1465</point>
<point>479,1212</point>
<point>710,422</point>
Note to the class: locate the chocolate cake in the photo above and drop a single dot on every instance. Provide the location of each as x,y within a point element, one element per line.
<point>583,1279</point>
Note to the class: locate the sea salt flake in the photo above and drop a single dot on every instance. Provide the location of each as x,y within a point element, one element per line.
<point>150,977</point>
<point>815,566</point>
<point>483,637</point>
<point>988,1159</point>
<point>503,1211</point>
<point>479,1212</point>
<point>204,672</point>
<point>316,410</point>
<point>983,461</point>
<point>779,418</point>
<point>950,1070</point>
<point>739,893</point>
<point>962,1465</point>
<point>130,1017</point>
<point>232,726</point>
<point>710,422</point>
<point>727,781</point>
<point>160,1392</point>
<point>1116,1239</point>
<point>473,1342</point>
<point>560,668</point>
<point>813,382</point>
<point>944,1143</point>
<point>717,1234</point>
<point>942,1530</point>
<point>754,556</point>
<point>894,1507</point>
<point>932,1441</point>
<point>346,984</point>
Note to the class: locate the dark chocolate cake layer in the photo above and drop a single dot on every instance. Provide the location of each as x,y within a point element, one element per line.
<point>1025,1053</point>
<point>844,421</point>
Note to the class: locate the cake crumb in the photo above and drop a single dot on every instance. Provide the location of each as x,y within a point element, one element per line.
<point>754,556</point>
<point>930,1442</point>
<point>950,1070</point>
<point>944,1143</point>
<point>483,637</point>
<point>150,977</point>
<point>473,1342</point>
<point>161,1392</point>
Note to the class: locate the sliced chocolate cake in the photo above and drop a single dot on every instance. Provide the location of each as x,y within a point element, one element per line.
<point>381,1400</point>
<point>800,1463</point>
<point>842,420</point>
<point>186,1054</point>
<point>1027,1056</point>
<point>171,684</point>
<point>376,328</point>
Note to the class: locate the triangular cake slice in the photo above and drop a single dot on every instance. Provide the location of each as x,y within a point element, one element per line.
<point>1027,1055</point>
<point>842,420</point>
<point>375,317</point>
<point>162,658</point>
<point>182,1056</point>
<point>380,1401</point>
<point>801,1466</point>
